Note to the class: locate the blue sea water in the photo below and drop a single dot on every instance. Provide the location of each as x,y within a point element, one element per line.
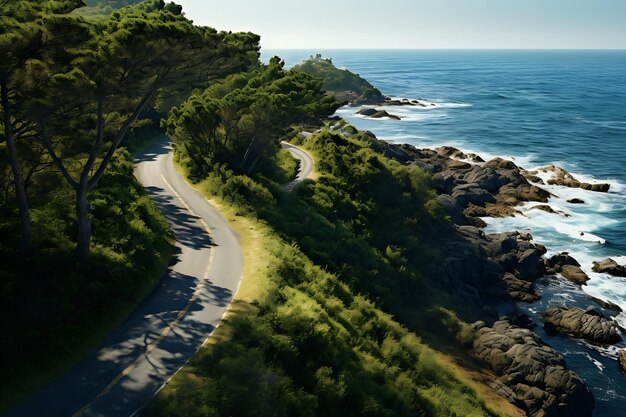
<point>537,108</point>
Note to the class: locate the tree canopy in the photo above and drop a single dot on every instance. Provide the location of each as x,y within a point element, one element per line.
<point>239,120</point>
<point>89,82</point>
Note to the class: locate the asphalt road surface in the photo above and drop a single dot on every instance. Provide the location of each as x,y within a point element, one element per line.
<point>123,374</point>
<point>306,164</point>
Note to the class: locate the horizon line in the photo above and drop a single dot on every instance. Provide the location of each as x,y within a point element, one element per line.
<point>446,49</point>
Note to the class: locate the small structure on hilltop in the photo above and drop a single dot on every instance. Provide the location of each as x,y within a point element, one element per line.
<point>318,57</point>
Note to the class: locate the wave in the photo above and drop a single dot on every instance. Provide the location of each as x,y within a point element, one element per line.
<point>608,124</point>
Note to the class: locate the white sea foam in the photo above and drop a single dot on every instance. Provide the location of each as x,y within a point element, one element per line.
<point>596,362</point>
<point>403,112</point>
<point>580,234</point>
<point>430,105</point>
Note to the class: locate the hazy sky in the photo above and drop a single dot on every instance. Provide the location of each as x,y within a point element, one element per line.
<point>583,24</point>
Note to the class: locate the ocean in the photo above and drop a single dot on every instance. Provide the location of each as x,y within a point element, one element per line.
<point>536,108</point>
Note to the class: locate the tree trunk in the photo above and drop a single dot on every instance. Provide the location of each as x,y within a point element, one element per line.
<point>20,190</point>
<point>84,225</point>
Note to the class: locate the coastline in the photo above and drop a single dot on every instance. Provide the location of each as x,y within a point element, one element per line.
<point>511,304</point>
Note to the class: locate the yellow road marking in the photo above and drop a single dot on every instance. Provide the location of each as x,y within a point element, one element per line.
<point>169,327</point>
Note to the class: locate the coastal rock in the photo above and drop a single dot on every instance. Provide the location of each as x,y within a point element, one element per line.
<point>622,360</point>
<point>557,262</point>
<point>505,265</point>
<point>498,185</point>
<point>407,102</point>
<point>487,264</point>
<point>609,266</point>
<point>457,165</point>
<point>587,324</point>
<point>576,201</point>
<point>599,188</point>
<point>548,209</point>
<point>472,194</point>
<point>532,177</point>
<point>532,375</point>
<point>519,289</point>
<point>392,151</point>
<point>377,114</point>
<point>530,265</point>
<point>485,178</point>
<point>565,179</point>
<point>452,208</point>
<point>499,163</point>
<point>475,211</point>
<point>500,210</point>
<point>607,304</point>
<point>450,152</point>
<point>574,274</point>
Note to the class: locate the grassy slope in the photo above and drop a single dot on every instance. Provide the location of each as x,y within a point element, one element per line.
<point>51,301</point>
<point>299,341</point>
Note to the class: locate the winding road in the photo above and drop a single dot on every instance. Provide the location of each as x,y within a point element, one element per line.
<point>123,374</point>
<point>306,164</point>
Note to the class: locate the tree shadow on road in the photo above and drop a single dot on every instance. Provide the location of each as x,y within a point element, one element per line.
<point>186,228</point>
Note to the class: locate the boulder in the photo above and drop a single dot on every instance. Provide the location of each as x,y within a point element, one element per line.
<point>531,375</point>
<point>472,194</point>
<point>557,262</point>
<point>587,324</point>
<point>576,201</point>
<point>532,177</point>
<point>499,163</point>
<point>526,192</point>
<point>609,266</point>
<point>530,265</point>
<point>519,289</point>
<point>607,304</point>
<point>452,208</point>
<point>599,188</point>
<point>450,152</point>
<point>377,114</point>
<point>475,211</point>
<point>456,164</point>
<point>574,274</point>
<point>367,112</point>
<point>485,178</point>
<point>393,151</point>
<point>402,102</point>
<point>500,210</point>
<point>563,178</point>
<point>548,209</point>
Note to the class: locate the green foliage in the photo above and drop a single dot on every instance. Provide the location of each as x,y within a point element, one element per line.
<point>238,120</point>
<point>315,344</point>
<point>105,7</point>
<point>75,89</point>
<point>48,299</point>
<point>314,348</point>
<point>343,84</point>
<point>367,218</point>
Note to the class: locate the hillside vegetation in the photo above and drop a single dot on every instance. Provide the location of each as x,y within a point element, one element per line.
<point>345,86</point>
<point>81,242</point>
<point>315,339</point>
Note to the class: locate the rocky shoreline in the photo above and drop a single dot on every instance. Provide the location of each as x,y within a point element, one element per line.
<point>479,267</point>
